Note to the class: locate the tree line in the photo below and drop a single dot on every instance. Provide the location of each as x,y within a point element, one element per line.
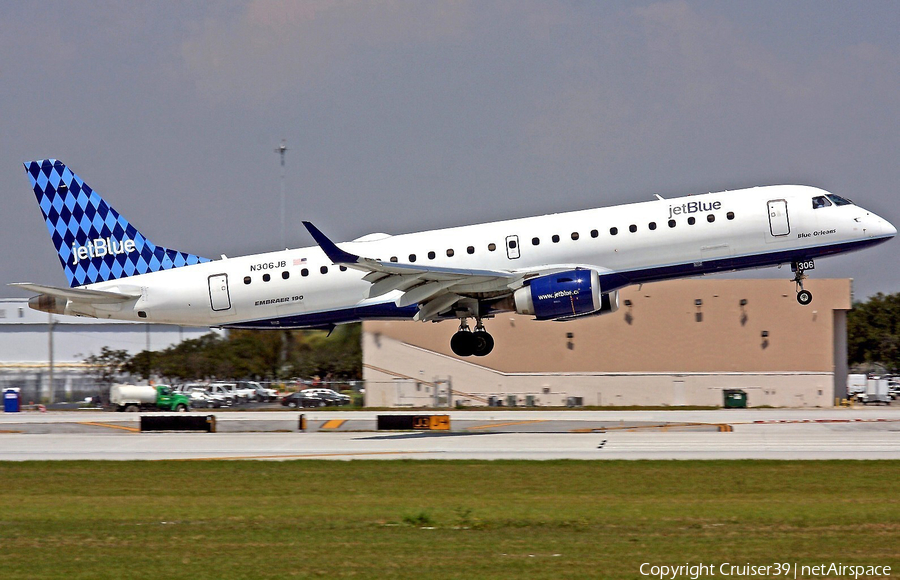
<point>873,334</point>
<point>242,354</point>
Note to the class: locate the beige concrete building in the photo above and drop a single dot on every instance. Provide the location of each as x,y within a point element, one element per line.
<point>673,343</point>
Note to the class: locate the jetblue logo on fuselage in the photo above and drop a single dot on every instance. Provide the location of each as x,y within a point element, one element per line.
<point>99,247</point>
<point>693,207</point>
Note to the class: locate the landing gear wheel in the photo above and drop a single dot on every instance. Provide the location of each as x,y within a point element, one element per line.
<point>463,343</point>
<point>484,343</point>
<point>804,297</point>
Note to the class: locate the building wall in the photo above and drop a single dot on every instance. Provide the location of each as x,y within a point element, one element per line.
<point>673,343</point>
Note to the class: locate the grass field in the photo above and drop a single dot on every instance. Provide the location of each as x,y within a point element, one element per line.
<point>436,519</point>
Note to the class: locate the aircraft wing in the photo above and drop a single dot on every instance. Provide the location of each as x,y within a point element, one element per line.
<point>78,294</point>
<point>436,289</point>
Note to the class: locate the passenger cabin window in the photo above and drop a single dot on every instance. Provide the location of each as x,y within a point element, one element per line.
<point>535,241</point>
<point>450,253</point>
<point>512,244</point>
<point>652,225</point>
<point>393,258</point>
<point>324,269</point>
<point>246,279</point>
<point>492,247</point>
<point>730,215</point>
<point>285,275</point>
<point>555,239</point>
<point>574,235</point>
<point>594,233</point>
<point>266,277</point>
<point>710,218</point>
<point>342,268</point>
<point>304,272</point>
<point>412,257</point>
<point>613,231</point>
<point>820,201</point>
<point>671,223</point>
<point>632,228</point>
<point>431,255</point>
<point>691,221</point>
<point>470,250</point>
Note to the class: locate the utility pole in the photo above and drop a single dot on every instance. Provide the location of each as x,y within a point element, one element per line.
<point>285,335</point>
<point>281,149</point>
<point>50,324</point>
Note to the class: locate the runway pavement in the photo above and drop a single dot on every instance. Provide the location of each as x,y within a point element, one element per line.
<point>859,433</point>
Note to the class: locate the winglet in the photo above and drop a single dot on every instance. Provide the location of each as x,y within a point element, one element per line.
<point>334,253</point>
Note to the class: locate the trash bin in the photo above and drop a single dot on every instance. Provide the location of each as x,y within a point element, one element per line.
<point>11,400</point>
<point>735,399</point>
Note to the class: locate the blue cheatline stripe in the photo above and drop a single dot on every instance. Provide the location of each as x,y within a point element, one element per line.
<point>609,281</point>
<point>384,311</point>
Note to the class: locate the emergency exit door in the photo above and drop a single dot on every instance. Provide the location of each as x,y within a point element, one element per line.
<point>219,299</point>
<point>512,247</point>
<point>779,225</point>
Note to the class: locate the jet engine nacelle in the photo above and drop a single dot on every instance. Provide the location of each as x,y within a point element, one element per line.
<point>563,295</point>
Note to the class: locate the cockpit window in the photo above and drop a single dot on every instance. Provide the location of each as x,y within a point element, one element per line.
<point>820,201</point>
<point>838,200</point>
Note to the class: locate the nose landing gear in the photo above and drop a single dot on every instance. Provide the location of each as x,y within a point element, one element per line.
<point>468,343</point>
<point>804,297</point>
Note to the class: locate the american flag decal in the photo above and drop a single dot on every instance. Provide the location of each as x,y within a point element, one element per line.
<point>298,261</point>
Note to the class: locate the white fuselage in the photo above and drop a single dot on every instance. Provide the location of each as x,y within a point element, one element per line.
<point>300,287</point>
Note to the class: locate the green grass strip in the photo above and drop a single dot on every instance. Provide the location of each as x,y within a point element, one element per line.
<point>438,519</point>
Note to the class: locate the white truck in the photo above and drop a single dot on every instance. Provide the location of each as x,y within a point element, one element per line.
<point>876,393</point>
<point>147,397</point>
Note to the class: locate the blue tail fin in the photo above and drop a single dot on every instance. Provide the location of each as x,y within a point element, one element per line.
<point>94,242</point>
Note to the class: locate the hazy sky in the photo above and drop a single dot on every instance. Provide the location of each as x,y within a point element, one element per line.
<point>402,116</point>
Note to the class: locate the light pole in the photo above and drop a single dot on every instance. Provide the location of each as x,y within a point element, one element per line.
<point>281,149</point>
<point>50,324</point>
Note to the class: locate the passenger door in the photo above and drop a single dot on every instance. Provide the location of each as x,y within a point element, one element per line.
<point>219,299</point>
<point>779,224</point>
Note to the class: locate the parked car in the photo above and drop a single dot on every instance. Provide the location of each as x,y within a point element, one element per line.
<point>200,399</point>
<point>241,394</point>
<point>894,389</point>
<point>196,393</point>
<point>221,395</point>
<point>260,393</point>
<point>329,396</point>
<point>302,399</point>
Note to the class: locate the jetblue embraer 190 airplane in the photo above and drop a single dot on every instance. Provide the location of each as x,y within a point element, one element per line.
<point>554,267</point>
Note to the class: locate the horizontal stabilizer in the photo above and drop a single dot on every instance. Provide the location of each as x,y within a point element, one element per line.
<point>78,294</point>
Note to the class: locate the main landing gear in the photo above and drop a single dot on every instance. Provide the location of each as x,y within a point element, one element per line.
<point>804,297</point>
<point>468,343</point>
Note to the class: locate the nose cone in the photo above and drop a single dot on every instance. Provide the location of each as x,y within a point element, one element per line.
<point>884,228</point>
<point>889,229</point>
<point>878,227</point>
